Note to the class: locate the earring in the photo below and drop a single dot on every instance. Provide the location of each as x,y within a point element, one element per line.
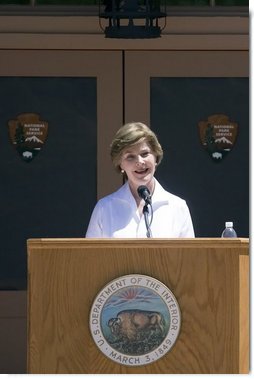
<point>122,171</point>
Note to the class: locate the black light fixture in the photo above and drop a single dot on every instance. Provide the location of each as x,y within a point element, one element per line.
<point>132,18</point>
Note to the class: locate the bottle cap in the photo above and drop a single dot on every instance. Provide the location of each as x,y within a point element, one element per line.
<point>229,224</point>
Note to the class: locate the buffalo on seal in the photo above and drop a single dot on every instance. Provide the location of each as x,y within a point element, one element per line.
<point>134,324</point>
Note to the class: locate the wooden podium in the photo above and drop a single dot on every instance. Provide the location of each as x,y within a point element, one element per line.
<point>208,277</point>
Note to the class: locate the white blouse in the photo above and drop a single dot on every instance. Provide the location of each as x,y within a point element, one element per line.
<point>117,216</point>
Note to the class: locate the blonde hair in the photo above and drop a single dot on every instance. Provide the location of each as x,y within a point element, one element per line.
<point>131,134</point>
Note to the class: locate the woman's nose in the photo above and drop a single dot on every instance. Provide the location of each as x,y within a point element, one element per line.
<point>139,160</point>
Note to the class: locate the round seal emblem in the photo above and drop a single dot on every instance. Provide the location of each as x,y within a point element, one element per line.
<point>135,320</point>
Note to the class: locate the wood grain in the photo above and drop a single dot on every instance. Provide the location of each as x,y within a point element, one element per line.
<point>244,315</point>
<point>65,275</point>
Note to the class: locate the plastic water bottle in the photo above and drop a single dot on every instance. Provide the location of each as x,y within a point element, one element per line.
<point>229,231</point>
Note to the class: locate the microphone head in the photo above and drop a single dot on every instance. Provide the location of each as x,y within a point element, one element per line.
<point>144,193</point>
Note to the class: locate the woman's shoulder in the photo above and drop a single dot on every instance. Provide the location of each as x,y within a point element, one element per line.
<point>119,194</point>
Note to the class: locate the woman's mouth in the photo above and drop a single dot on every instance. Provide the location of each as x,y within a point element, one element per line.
<point>140,172</point>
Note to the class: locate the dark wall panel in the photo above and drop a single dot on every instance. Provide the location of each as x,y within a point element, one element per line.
<point>215,192</point>
<point>53,195</point>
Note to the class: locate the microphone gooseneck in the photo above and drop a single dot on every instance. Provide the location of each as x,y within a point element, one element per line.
<point>148,224</point>
<point>144,194</point>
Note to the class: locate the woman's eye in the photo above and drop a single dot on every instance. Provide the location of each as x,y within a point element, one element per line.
<point>145,154</point>
<point>130,157</point>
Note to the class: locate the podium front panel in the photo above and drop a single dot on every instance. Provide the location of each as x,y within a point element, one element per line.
<point>208,277</point>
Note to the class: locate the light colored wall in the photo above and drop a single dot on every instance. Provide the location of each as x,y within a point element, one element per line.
<point>181,33</point>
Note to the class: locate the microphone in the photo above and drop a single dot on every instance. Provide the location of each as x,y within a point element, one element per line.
<point>144,193</point>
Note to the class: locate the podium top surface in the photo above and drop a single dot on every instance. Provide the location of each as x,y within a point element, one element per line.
<point>136,242</point>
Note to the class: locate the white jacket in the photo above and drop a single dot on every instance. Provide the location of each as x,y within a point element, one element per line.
<point>117,216</point>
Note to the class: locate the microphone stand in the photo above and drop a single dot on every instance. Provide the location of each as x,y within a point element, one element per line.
<point>146,213</point>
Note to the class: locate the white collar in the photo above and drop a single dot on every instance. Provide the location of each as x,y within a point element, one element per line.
<point>159,197</point>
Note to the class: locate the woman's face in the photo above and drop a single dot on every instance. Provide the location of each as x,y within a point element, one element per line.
<point>139,163</point>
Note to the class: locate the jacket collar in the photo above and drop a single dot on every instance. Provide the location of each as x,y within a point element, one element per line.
<point>159,197</point>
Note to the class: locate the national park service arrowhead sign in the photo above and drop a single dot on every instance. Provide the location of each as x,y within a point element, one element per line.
<point>28,134</point>
<point>218,135</point>
<point>135,320</point>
